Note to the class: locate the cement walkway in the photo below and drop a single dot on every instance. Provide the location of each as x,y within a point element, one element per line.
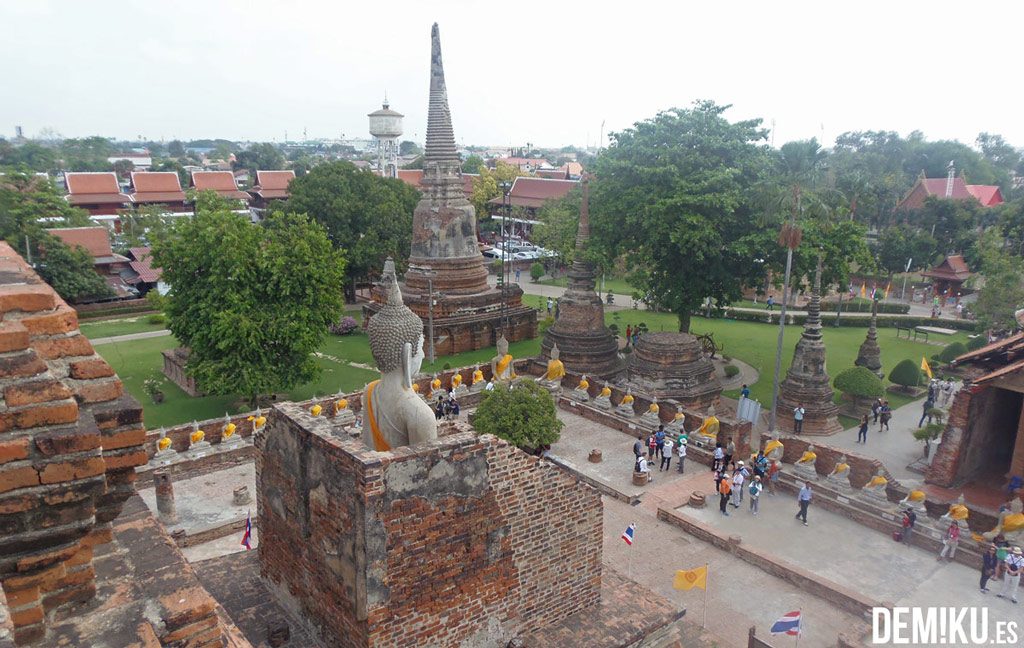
<point>131,336</point>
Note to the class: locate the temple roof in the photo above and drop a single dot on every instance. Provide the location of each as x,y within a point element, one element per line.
<point>272,184</point>
<point>96,240</point>
<point>143,265</point>
<point>952,268</point>
<point>94,188</point>
<point>987,195</point>
<point>156,186</point>
<point>222,182</point>
<point>534,192</point>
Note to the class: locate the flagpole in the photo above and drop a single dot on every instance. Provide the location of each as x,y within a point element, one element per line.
<point>799,627</point>
<point>629,561</point>
<point>707,577</point>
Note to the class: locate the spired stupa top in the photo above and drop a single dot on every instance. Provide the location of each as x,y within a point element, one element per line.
<point>440,145</point>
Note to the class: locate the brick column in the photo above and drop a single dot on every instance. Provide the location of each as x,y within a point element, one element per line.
<point>1017,463</point>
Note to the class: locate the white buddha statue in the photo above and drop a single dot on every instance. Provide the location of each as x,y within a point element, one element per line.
<point>229,438</point>
<point>552,378</point>
<point>652,417</point>
<point>458,387</point>
<point>604,399</point>
<point>874,490</point>
<point>914,500</point>
<point>676,425</point>
<point>581,393</point>
<point>198,446</point>
<point>436,389</point>
<point>393,415</point>
<point>165,454</point>
<point>625,406</point>
<point>501,364</point>
<point>343,414</point>
<point>478,383</point>
<point>839,478</point>
<point>774,449</point>
<point>707,434</point>
<point>805,466</point>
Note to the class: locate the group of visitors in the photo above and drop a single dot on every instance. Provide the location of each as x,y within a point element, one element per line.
<point>752,479</point>
<point>1002,561</point>
<point>446,408</point>
<point>632,335</point>
<point>659,445</point>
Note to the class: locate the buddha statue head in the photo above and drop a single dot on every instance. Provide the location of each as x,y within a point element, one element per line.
<point>502,345</point>
<point>395,332</point>
<point>555,352</point>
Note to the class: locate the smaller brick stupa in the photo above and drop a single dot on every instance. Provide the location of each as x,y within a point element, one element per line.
<point>870,356</point>
<point>807,381</point>
<point>587,346</point>
<point>672,365</point>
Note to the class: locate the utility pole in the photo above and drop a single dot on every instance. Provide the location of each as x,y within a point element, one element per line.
<point>791,238</point>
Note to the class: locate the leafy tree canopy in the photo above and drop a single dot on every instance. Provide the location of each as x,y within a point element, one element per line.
<point>524,415</point>
<point>367,216</point>
<point>1003,292</point>
<point>859,382</point>
<point>407,147</point>
<point>559,222</point>
<point>262,157</point>
<point>489,186</point>
<point>252,302</point>
<point>69,270</point>
<point>473,164</point>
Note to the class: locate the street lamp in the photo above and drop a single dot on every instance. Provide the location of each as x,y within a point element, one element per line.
<point>791,239</point>
<point>429,275</point>
<point>506,217</point>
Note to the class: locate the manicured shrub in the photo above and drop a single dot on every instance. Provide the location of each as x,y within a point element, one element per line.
<point>976,343</point>
<point>524,415</point>
<point>953,351</point>
<point>859,382</point>
<point>731,370</point>
<point>906,374</point>
<point>158,318</point>
<point>344,326</point>
<point>536,270</point>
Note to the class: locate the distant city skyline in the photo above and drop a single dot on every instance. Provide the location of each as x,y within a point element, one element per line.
<point>547,74</point>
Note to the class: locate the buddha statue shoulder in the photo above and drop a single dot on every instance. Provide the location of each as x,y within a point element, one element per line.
<point>652,417</point>
<point>774,449</point>
<point>458,387</point>
<point>165,454</point>
<point>228,433</point>
<point>915,500</point>
<point>840,475</point>
<point>393,414</point>
<point>501,364</point>
<point>1010,524</point>
<point>555,371</point>
<point>676,425</point>
<point>958,511</point>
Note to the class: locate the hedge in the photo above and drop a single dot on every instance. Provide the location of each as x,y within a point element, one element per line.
<point>865,307</point>
<point>976,342</point>
<point>906,373</point>
<point>859,382</point>
<point>846,319</point>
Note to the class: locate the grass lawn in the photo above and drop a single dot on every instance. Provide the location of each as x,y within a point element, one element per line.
<point>616,285</point>
<point>754,343</point>
<point>111,328</point>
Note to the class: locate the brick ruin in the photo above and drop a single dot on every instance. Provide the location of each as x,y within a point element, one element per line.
<point>70,440</point>
<point>462,541</point>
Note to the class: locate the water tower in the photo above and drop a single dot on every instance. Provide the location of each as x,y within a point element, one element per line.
<point>386,128</point>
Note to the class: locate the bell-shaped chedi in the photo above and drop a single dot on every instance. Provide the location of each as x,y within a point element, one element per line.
<point>587,346</point>
<point>807,382</point>
<point>870,356</point>
<point>672,365</point>
<point>445,259</point>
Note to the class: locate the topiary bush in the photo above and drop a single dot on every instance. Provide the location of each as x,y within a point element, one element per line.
<point>524,415</point>
<point>158,318</point>
<point>976,343</point>
<point>731,370</point>
<point>344,326</point>
<point>953,351</point>
<point>536,270</point>
<point>859,382</point>
<point>906,374</point>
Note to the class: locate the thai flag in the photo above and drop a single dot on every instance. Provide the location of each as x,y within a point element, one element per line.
<point>248,531</point>
<point>627,535</point>
<point>789,624</point>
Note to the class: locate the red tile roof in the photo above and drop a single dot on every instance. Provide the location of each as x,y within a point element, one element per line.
<point>411,177</point>
<point>1013,367</point>
<point>143,265</point>
<point>1009,344</point>
<point>94,189</point>
<point>953,267</point>
<point>96,240</point>
<point>534,192</point>
<point>222,182</point>
<point>272,184</point>
<point>987,195</point>
<point>156,186</point>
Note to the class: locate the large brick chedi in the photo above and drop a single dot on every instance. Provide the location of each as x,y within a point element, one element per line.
<point>69,443</point>
<point>585,344</point>
<point>807,381</point>
<point>461,541</point>
<point>467,311</point>
<point>672,365</point>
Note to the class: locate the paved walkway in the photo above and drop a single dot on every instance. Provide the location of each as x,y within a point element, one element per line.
<point>131,336</point>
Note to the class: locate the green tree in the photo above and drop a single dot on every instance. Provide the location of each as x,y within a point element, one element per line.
<point>489,186</point>
<point>251,302</point>
<point>524,415</point>
<point>897,245</point>
<point>87,153</point>
<point>1003,292</point>
<point>859,382</point>
<point>175,149</point>
<point>30,156</point>
<point>559,221</point>
<point>69,270</point>
<point>473,164</point>
<point>409,148</point>
<point>953,351</point>
<point>123,168</point>
<point>906,373</point>
<point>671,196</point>
<point>25,200</point>
<point>367,216</point>
<point>262,157</point>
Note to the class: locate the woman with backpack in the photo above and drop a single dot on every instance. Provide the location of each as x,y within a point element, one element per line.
<point>755,493</point>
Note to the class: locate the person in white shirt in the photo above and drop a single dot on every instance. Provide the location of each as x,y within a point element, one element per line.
<point>666,455</point>
<point>798,418</point>
<point>947,391</point>
<point>1011,576</point>
<point>642,467</point>
<point>737,485</point>
<point>719,456</point>
<point>755,494</point>
<point>681,451</point>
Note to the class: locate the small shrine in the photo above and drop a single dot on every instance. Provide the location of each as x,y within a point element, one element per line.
<point>671,365</point>
<point>948,277</point>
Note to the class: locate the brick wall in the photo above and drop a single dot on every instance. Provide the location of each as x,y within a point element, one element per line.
<point>465,539</point>
<point>862,469</point>
<point>69,443</point>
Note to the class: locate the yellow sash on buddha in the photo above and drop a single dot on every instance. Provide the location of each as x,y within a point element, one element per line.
<point>503,364</point>
<point>379,442</point>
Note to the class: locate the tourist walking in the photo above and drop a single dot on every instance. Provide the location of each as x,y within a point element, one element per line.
<point>737,487</point>
<point>666,455</point>
<point>862,433</point>
<point>770,303</point>
<point>947,391</point>
<point>876,407</point>
<point>517,275</point>
<point>1011,579</point>
<point>798,418</point>
<point>659,442</point>
<point>638,447</point>
<point>908,522</point>
<point>550,305</point>
<point>773,476</point>
<point>760,465</point>
<point>745,392</point>
<point>755,493</point>
<point>681,451</point>
<point>884,416</point>
<point>950,541</point>
<point>989,564</point>
<point>724,487</point>
<point>718,458</point>
<point>730,450</point>
<point>929,403</point>
<point>804,500</point>
<point>629,333</point>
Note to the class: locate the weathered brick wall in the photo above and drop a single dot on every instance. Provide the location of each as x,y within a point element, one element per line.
<point>463,539</point>
<point>69,442</point>
<point>862,469</point>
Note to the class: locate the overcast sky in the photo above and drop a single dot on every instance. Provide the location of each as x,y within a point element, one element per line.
<point>543,72</point>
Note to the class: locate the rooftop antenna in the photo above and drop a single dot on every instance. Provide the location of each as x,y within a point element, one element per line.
<point>951,173</point>
<point>773,132</point>
<point>600,142</point>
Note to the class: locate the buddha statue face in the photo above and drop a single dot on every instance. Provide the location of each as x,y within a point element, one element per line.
<point>554,351</point>
<point>395,332</point>
<point>502,345</point>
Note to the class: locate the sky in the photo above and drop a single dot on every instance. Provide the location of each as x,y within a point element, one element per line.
<point>546,73</point>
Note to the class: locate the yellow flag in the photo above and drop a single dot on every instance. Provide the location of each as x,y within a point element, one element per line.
<point>925,368</point>
<point>689,578</point>
<point>887,287</point>
<point>863,290</point>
